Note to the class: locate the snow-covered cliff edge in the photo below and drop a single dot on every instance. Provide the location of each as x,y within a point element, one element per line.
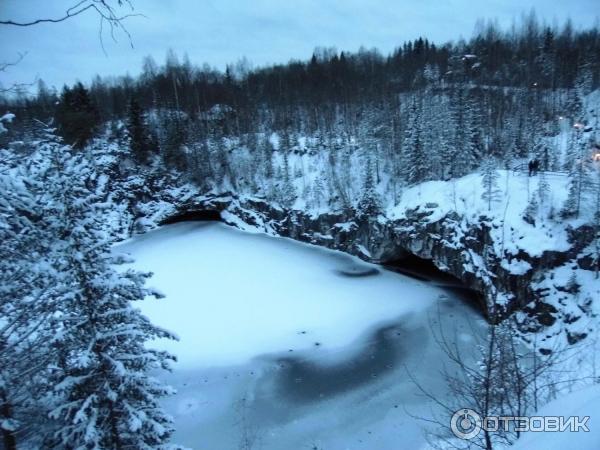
<point>544,268</point>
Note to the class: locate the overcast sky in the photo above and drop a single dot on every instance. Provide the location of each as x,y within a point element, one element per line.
<point>265,31</point>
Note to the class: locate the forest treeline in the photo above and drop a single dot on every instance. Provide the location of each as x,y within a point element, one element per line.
<point>423,112</point>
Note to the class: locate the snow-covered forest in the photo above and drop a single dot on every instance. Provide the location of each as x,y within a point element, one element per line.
<point>478,159</point>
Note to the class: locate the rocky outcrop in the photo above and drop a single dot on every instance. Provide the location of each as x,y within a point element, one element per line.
<point>454,246</point>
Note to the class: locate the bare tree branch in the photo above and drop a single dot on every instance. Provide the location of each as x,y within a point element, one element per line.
<point>6,65</point>
<point>106,10</point>
<point>101,7</point>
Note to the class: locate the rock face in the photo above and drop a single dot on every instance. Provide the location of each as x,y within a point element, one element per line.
<point>454,246</point>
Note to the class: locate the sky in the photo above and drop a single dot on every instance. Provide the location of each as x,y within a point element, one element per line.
<point>223,31</point>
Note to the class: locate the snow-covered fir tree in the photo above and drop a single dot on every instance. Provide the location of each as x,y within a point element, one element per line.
<point>466,133</point>
<point>172,138</point>
<point>287,191</point>
<point>543,190</point>
<point>138,134</point>
<point>99,392</point>
<point>29,287</point>
<point>369,205</point>
<point>104,396</point>
<point>414,158</point>
<point>532,209</point>
<point>579,176</point>
<point>491,192</point>
<point>473,148</point>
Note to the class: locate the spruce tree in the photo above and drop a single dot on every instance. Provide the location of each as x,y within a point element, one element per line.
<point>29,290</point>
<point>543,190</point>
<point>287,193</point>
<point>474,146</point>
<point>103,396</point>
<point>139,143</point>
<point>574,105</point>
<point>172,139</point>
<point>415,167</point>
<point>465,134</point>
<point>491,192</point>
<point>77,116</point>
<point>579,178</point>
<point>318,191</point>
<point>532,209</point>
<point>573,286</point>
<point>448,150</point>
<point>369,205</point>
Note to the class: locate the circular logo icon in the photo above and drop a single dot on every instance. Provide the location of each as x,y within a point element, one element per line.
<point>465,423</point>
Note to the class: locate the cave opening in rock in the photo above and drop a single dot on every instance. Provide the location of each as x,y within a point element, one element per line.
<point>203,215</point>
<point>425,270</point>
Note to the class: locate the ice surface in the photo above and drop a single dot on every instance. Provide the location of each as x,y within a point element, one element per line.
<point>231,296</point>
<point>284,345</point>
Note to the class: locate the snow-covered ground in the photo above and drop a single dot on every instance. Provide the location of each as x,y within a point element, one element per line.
<point>291,345</point>
<point>582,403</point>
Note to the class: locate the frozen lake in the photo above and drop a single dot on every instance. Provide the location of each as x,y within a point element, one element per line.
<point>284,345</point>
